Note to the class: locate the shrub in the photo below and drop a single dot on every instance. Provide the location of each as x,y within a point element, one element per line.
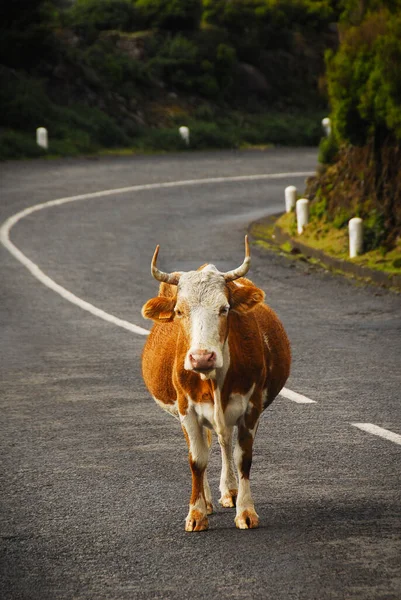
<point>318,208</point>
<point>24,104</point>
<point>72,143</point>
<point>211,135</point>
<point>374,232</point>
<point>26,32</point>
<point>14,144</point>
<point>173,15</point>
<point>205,112</point>
<point>202,136</point>
<point>175,60</point>
<point>364,85</point>
<point>328,150</point>
<point>291,129</point>
<point>341,218</point>
<point>98,15</point>
<point>115,69</point>
<point>364,80</point>
<point>178,62</point>
<point>273,16</point>
<point>160,139</point>
<point>100,128</point>
<point>353,11</point>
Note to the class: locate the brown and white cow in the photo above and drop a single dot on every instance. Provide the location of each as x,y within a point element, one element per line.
<point>216,357</point>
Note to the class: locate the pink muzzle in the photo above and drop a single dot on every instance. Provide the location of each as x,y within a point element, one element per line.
<point>202,360</point>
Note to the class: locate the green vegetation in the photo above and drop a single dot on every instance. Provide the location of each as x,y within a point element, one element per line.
<point>328,150</point>
<point>92,16</point>
<point>172,15</point>
<point>364,78</point>
<point>126,73</point>
<point>362,158</point>
<point>333,241</point>
<point>361,174</point>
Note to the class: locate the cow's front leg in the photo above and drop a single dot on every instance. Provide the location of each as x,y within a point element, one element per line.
<point>197,441</point>
<point>246,517</point>
<point>228,482</point>
<point>206,486</point>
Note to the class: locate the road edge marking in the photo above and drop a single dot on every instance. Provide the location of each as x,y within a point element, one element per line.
<point>66,294</point>
<point>379,431</point>
<point>295,397</point>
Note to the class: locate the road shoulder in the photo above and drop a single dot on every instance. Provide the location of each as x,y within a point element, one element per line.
<point>266,233</point>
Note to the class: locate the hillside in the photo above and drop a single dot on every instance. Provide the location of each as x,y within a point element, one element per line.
<point>123,73</point>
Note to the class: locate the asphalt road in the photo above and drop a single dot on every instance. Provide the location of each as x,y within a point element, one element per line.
<point>94,481</point>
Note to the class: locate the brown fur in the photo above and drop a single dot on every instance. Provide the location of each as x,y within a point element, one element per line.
<point>252,360</point>
<point>260,357</point>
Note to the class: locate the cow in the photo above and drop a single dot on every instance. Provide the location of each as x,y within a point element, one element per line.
<point>215,358</point>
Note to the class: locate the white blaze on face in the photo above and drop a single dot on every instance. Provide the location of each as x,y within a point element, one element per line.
<point>202,294</point>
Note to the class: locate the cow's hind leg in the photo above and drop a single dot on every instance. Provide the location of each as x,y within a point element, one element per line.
<point>198,457</point>
<point>246,517</point>
<point>228,481</point>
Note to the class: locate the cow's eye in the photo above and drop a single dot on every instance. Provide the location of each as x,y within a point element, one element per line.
<point>178,312</point>
<point>224,310</point>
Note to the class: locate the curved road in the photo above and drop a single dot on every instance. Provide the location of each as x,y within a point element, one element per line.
<point>94,481</point>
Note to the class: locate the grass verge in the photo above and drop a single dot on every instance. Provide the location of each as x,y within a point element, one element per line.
<point>329,246</point>
<point>322,235</point>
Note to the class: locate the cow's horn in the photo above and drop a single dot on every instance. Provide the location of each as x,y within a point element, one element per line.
<point>172,278</point>
<point>244,268</point>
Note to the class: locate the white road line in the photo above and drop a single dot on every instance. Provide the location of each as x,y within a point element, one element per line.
<point>50,283</point>
<point>67,295</point>
<point>376,430</point>
<point>295,397</point>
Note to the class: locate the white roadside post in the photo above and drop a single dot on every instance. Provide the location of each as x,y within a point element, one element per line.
<point>41,137</point>
<point>355,229</point>
<point>290,194</point>
<point>302,210</point>
<point>184,133</point>
<point>326,123</point>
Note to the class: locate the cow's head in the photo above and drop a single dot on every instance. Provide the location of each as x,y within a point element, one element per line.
<point>200,302</point>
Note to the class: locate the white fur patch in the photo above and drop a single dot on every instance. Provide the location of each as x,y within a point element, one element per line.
<point>207,376</point>
<point>244,498</point>
<point>211,415</point>
<point>237,407</point>
<point>170,408</point>
<point>204,294</point>
<point>198,445</point>
<point>205,413</point>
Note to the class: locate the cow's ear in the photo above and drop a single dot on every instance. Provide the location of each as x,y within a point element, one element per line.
<point>160,309</point>
<point>245,297</point>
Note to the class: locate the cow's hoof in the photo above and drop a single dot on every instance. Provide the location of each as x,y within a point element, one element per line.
<point>229,499</point>
<point>247,519</point>
<point>196,521</point>
<point>209,508</point>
